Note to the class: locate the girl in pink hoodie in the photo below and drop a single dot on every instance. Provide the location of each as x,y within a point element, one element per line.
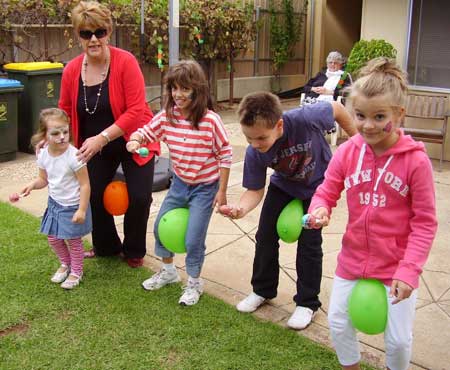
<point>389,187</point>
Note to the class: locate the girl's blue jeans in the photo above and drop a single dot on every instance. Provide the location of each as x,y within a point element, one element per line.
<point>199,199</point>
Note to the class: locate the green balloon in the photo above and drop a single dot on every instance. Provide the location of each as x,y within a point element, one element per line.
<point>172,229</point>
<point>289,223</point>
<point>368,306</point>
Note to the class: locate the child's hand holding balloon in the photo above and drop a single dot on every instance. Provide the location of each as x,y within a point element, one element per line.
<point>133,145</point>
<point>231,211</point>
<point>14,197</point>
<point>400,291</point>
<point>316,219</point>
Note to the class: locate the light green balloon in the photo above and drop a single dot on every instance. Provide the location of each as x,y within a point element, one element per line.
<point>289,223</point>
<point>368,306</point>
<point>172,229</point>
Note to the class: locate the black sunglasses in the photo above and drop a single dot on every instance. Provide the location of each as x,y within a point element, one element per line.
<point>99,33</point>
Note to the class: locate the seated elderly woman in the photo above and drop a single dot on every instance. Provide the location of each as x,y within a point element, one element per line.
<point>327,84</point>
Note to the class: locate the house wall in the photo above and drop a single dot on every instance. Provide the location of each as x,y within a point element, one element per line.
<point>336,27</point>
<point>342,25</point>
<point>388,20</point>
<point>317,53</point>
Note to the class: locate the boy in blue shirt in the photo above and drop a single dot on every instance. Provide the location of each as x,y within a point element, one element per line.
<point>293,144</point>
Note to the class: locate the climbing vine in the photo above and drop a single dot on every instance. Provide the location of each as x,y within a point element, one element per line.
<point>286,28</point>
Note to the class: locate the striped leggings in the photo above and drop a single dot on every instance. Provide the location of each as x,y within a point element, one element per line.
<point>70,254</point>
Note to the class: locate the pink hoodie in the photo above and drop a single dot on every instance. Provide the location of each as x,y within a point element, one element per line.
<point>392,217</point>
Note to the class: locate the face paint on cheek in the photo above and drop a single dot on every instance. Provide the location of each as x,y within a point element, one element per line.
<point>58,135</point>
<point>388,127</point>
<point>190,96</point>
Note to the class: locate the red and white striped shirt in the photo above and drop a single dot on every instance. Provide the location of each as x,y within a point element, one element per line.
<point>196,155</point>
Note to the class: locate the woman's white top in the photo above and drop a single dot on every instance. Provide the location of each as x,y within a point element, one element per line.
<point>330,84</point>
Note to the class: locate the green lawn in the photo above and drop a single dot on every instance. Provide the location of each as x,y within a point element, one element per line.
<point>110,322</point>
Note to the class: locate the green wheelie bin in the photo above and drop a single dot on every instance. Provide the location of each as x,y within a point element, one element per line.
<point>41,81</point>
<point>10,91</point>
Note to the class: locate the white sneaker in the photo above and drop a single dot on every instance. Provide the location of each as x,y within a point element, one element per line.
<point>160,279</point>
<point>250,303</point>
<point>61,274</point>
<point>71,282</point>
<point>191,293</point>
<point>301,318</point>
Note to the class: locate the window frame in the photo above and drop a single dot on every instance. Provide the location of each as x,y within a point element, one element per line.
<point>408,41</point>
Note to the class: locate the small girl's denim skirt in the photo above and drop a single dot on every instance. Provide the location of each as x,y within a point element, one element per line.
<point>57,221</point>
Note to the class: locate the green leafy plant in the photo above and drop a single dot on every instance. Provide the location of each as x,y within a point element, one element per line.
<point>285,31</point>
<point>32,19</point>
<point>226,28</point>
<point>27,18</point>
<point>364,50</point>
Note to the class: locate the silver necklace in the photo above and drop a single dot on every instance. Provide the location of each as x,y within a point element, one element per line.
<point>99,93</point>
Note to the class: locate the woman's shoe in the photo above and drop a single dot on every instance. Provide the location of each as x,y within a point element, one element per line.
<point>135,262</point>
<point>61,274</point>
<point>71,282</point>
<point>89,254</point>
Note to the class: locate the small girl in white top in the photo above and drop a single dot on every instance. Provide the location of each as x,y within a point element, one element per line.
<point>68,215</point>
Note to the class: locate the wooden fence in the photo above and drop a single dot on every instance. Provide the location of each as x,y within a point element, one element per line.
<point>255,61</point>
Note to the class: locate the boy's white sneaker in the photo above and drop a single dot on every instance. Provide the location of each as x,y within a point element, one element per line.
<point>60,274</point>
<point>250,303</point>
<point>301,318</point>
<point>160,279</point>
<point>191,293</point>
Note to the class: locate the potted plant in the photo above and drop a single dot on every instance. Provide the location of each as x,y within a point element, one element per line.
<point>364,50</point>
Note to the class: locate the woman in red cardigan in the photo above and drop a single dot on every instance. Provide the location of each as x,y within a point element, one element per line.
<point>103,92</point>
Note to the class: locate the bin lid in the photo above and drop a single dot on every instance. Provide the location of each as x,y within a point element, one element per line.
<point>4,82</point>
<point>32,66</point>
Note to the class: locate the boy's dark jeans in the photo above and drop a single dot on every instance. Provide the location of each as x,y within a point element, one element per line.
<point>266,267</point>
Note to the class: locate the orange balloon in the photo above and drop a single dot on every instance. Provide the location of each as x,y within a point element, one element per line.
<point>115,198</point>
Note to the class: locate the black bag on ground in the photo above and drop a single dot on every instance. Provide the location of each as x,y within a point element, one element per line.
<point>161,178</point>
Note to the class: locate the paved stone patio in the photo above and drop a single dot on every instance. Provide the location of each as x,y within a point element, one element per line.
<point>228,264</point>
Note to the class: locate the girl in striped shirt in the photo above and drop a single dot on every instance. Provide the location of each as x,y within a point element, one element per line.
<point>201,158</point>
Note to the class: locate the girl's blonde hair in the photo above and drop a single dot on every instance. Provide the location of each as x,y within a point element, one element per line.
<point>381,76</point>
<point>45,115</point>
<point>188,74</point>
<point>91,14</point>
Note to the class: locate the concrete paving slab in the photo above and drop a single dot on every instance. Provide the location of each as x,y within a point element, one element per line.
<point>231,265</point>
<point>437,282</point>
<point>446,297</point>
<point>445,306</point>
<point>432,338</point>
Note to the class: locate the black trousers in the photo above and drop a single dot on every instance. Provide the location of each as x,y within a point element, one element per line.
<point>102,169</point>
<point>266,266</point>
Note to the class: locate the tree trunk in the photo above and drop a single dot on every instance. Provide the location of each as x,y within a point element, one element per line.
<point>208,66</point>
<point>45,31</point>
<point>231,94</point>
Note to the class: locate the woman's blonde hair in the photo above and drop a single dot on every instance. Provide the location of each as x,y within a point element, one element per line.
<point>45,115</point>
<point>91,14</point>
<point>381,76</point>
<point>188,74</point>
